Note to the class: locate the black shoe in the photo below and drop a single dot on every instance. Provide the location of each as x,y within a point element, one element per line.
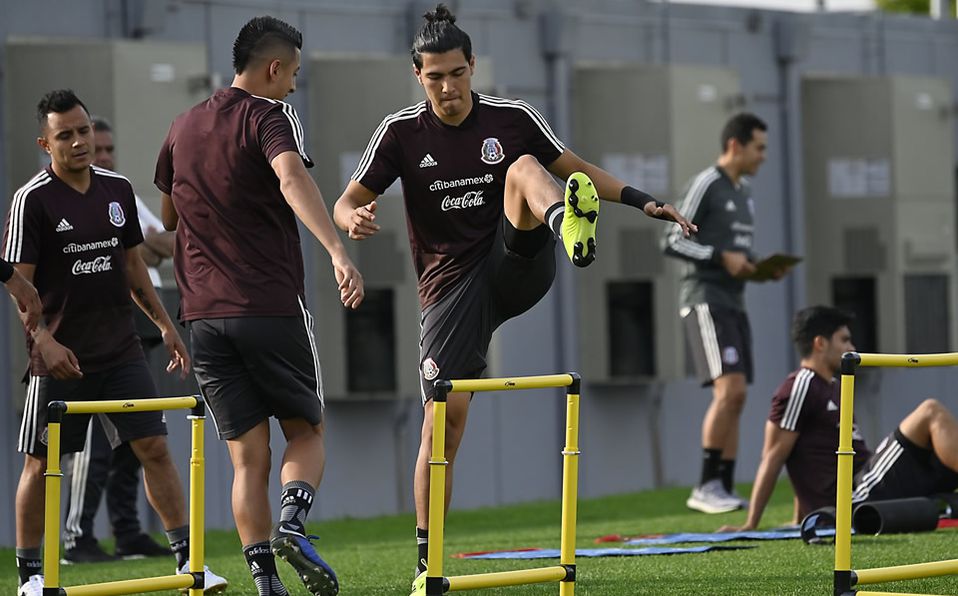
<point>86,552</point>
<point>141,546</point>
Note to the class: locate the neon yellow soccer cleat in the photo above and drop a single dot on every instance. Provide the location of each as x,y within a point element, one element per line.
<point>419,585</point>
<point>579,220</point>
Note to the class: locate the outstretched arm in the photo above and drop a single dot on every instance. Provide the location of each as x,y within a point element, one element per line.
<point>300,191</point>
<point>355,211</point>
<point>611,188</point>
<point>778,446</point>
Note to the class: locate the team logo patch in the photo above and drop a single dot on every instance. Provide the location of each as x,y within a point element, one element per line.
<point>730,356</point>
<point>430,370</point>
<point>492,151</point>
<point>117,217</point>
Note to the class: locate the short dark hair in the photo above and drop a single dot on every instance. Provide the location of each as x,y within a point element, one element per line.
<point>439,34</point>
<point>813,321</point>
<point>259,37</point>
<point>57,101</point>
<point>100,124</point>
<point>741,127</point>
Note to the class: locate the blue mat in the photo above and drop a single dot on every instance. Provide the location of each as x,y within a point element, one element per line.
<point>598,552</point>
<point>726,536</point>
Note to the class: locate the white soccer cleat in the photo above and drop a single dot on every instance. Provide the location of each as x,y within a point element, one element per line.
<point>712,497</point>
<point>33,587</point>
<point>212,583</point>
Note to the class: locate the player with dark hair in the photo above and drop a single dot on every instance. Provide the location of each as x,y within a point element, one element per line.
<point>712,300</point>
<point>72,230</point>
<point>919,458</point>
<point>233,176</point>
<point>484,213</point>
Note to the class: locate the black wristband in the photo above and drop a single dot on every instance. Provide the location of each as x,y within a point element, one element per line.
<point>6,271</point>
<point>636,198</point>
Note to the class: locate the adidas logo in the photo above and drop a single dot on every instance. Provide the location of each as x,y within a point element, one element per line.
<point>254,567</point>
<point>64,226</point>
<point>831,407</point>
<point>428,162</point>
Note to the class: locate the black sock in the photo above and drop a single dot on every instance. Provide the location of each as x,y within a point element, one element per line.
<point>180,544</point>
<point>262,565</point>
<point>295,502</point>
<point>711,465</point>
<point>422,541</point>
<point>728,474</point>
<point>553,218</point>
<point>29,562</point>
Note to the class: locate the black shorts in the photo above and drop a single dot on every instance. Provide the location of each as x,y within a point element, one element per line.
<point>720,340</point>
<point>457,329</point>
<point>899,469</point>
<point>130,380</point>
<point>251,368</point>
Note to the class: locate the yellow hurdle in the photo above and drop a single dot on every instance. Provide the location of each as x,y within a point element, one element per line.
<point>193,581</point>
<point>564,573</point>
<point>845,577</point>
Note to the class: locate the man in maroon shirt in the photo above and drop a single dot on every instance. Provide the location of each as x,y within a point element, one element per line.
<point>233,176</point>
<point>72,230</point>
<point>918,458</point>
<point>483,212</point>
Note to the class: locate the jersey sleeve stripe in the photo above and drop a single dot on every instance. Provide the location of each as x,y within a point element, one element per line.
<point>370,152</point>
<point>689,208</point>
<point>14,248</point>
<point>531,111</point>
<point>796,399</point>
<point>110,174</point>
<point>298,135</point>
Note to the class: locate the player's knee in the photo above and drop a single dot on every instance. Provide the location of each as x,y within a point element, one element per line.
<point>151,451</point>
<point>34,467</point>
<point>931,409</point>
<point>524,166</point>
<point>731,401</point>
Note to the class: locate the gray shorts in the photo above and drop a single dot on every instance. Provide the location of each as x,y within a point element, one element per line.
<point>720,340</point>
<point>252,368</point>
<point>130,380</point>
<point>457,329</point>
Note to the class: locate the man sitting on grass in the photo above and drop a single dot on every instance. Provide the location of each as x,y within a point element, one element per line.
<point>919,458</point>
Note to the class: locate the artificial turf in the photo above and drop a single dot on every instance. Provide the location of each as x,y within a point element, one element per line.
<point>376,556</point>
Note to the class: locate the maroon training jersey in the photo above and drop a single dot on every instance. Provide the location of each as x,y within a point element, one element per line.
<point>237,247</point>
<point>78,243</point>
<point>809,405</point>
<point>453,179</point>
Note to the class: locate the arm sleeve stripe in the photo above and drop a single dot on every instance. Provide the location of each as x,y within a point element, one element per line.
<point>367,158</point>
<point>796,399</point>
<point>298,135</point>
<point>531,111</point>
<point>688,209</point>
<point>14,248</point>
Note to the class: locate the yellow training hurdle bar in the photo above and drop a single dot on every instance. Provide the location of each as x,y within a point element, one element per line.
<point>193,581</point>
<point>845,577</point>
<point>564,573</point>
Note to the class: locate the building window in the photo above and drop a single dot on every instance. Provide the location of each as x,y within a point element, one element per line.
<point>371,344</point>
<point>631,329</point>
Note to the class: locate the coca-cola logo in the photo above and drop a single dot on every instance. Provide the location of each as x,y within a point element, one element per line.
<point>97,265</point>
<point>473,198</point>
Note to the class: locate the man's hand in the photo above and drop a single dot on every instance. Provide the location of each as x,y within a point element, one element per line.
<point>351,290</point>
<point>179,357</point>
<point>669,213</point>
<point>60,360</point>
<point>737,264</point>
<point>28,301</point>
<point>361,222</point>
<point>744,528</point>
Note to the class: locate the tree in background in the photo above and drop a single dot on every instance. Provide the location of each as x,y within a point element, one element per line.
<point>922,7</point>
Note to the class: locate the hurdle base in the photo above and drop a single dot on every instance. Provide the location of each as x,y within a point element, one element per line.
<point>130,586</point>
<point>510,578</point>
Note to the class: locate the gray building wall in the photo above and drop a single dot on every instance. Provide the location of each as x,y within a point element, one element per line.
<point>633,436</point>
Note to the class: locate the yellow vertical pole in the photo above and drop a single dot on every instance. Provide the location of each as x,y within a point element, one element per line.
<point>846,460</point>
<point>570,488</point>
<point>53,477</point>
<point>197,494</point>
<point>437,492</point>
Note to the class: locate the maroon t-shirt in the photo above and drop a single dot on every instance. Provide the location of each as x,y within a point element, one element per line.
<point>453,179</point>
<point>78,243</point>
<point>809,405</point>
<point>237,251</point>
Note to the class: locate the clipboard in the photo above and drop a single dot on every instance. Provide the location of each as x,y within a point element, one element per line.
<point>765,269</point>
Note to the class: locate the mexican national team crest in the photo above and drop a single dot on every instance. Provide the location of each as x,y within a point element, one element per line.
<point>117,217</point>
<point>430,370</point>
<point>492,151</point>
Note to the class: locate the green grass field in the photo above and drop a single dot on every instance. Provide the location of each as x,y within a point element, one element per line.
<point>376,557</point>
